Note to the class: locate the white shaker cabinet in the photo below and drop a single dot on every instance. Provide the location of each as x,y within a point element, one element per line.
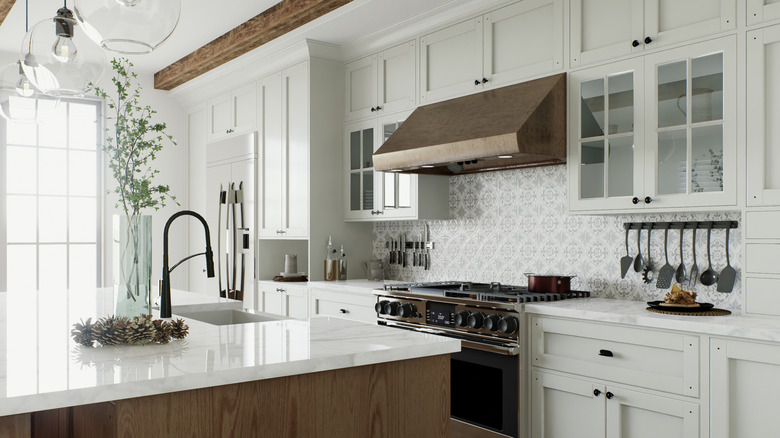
<point>342,304</point>
<point>565,407</point>
<point>655,133</point>
<point>743,389</point>
<point>518,41</point>
<point>759,11</point>
<point>608,29</point>
<point>283,180</point>
<point>381,83</point>
<point>371,195</point>
<point>233,113</point>
<point>283,298</point>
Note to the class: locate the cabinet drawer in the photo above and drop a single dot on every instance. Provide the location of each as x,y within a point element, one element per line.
<point>762,225</point>
<point>343,305</point>
<point>651,359</point>
<point>762,296</point>
<point>761,258</point>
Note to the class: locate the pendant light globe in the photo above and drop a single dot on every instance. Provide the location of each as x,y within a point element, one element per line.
<point>130,27</point>
<point>59,59</point>
<point>20,102</point>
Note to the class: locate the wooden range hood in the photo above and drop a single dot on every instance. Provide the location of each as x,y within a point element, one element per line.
<point>524,123</point>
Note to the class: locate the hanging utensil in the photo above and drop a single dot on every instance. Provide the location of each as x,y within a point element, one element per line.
<point>695,268</point>
<point>647,274</point>
<point>666,274</point>
<point>728,274</point>
<point>427,250</point>
<point>625,261</point>
<point>639,263</point>
<point>709,276</point>
<point>680,274</point>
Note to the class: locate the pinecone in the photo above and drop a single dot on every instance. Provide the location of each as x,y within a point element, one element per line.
<point>84,333</point>
<point>164,331</point>
<point>140,330</point>
<point>110,330</point>
<point>180,329</point>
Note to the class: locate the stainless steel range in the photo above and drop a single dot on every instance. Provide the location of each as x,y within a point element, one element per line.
<point>487,381</point>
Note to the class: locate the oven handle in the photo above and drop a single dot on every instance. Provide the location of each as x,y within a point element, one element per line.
<point>507,351</point>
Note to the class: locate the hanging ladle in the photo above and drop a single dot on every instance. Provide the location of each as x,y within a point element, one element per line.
<point>709,276</point>
<point>639,264</point>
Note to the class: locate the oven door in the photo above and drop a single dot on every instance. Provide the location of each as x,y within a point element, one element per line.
<point>485,390</point>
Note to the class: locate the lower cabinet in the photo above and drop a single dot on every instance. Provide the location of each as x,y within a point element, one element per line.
<point>565,407</point>
<point>744,386</point>
<point>354,306</point>
<point>281,299</point>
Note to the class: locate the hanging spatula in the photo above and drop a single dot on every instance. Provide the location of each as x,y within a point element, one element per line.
<point>626,260</point>
<point>728,274</point>
<point>666,274</point>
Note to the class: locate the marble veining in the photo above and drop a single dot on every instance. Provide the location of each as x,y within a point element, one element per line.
<point>634,313</point>
<point>42,368</point>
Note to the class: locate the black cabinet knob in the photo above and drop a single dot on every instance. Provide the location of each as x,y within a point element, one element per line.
<point>609,394</point>
<point>596,392</point>
<point>635,200</point>
<point>378,108</point>
<point>476,81</point>
<point>373,109</point>
<point>605,353</point>
<point>342,310</point>
<point>484,80</point>
<point>648,40</point>
<point>635,43</point>
<point>648,199</point>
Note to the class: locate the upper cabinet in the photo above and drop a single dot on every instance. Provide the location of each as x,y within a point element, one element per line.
<point>759,11</point>
<point>382,83</point>
<point>607,29</point>
<point>372,195</point>
<point>233,113</point>
<point>656,132</point>
<point>484,52</point>
<point>763,135</point>
<point>283,182</point>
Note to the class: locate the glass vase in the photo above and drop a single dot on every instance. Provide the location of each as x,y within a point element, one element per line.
<point>132,265</point>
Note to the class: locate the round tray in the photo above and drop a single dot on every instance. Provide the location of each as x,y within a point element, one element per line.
<point>660,305</point>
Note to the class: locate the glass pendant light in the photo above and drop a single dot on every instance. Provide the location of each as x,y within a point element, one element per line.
<point>128,26</point>
<point>58,57</point>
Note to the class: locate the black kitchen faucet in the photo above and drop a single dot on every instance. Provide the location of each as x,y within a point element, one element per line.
<point>165,284</point>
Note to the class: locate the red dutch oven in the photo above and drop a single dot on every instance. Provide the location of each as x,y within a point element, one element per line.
<point>549,283</point>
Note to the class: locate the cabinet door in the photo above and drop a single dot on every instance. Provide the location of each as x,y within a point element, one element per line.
<point>451,61</point>
<point>295,101</point>
<point>219,117</point>
<point>763,133</point>
<point>636,415</point>
<point>270,299</point>
<point>360,182</point>
<point>562,407</point>
<point>605,158</point>
<point>506,61</point>
<point>691,153</point>
<point>396,78</point>
<point>361,88</point>
<point>243,101</point>
<point>743,389</point>
<point>672,21</point>
<point>270,158</point>
<point>759,11</point>
<point>398,191</point>
<point>604,29</point>
<point>297,302</point>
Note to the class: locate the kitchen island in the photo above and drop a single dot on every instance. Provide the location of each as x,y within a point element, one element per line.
<point>316,377</point>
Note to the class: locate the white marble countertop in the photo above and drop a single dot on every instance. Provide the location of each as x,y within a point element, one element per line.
<point>633,313</point>
<point>42,368</point>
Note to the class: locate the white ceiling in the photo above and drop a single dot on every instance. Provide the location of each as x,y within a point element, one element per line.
<point>200,24</point>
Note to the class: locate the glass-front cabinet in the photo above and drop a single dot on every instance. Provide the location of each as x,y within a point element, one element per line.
<point>655,132</point>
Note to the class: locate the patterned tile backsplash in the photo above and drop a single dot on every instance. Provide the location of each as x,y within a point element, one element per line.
<point>504,224</point>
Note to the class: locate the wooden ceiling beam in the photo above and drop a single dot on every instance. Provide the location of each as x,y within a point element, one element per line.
<point>276,21</point>
<point>5,8</point>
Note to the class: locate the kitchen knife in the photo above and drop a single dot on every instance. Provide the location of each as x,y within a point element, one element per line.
<point>427,250</point>
<point>403,250</point>
<point>392,251</point>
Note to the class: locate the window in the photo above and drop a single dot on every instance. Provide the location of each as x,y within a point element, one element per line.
<point>51,230</point>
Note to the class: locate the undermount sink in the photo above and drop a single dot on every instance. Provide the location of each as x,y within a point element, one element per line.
<point>228,316</point>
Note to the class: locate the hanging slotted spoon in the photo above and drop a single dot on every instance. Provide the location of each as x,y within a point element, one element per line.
<point>680,274</point>
<point>709,276</point>
<point>666,274</point>
<point>625,261</point>
<point>695,268</point>
<point>728,274</point>
<point>639,264</point>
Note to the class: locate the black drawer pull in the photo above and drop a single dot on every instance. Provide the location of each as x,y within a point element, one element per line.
<point>605,353</point>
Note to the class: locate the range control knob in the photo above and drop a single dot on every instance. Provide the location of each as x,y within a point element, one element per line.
<point>462,318</point>
<point>491,322</point>
<point>380,306</point>
<point>391,308</point>
<point>476,319</point>
<point>407,310</point>
<point>507,324</point>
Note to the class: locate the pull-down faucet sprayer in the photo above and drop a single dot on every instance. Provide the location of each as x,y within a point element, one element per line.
<point>165,284</point>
